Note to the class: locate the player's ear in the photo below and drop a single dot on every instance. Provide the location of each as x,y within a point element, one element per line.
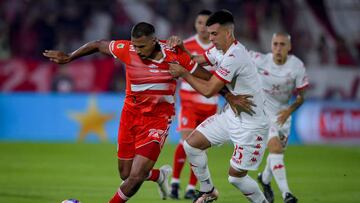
<point>155,40</point>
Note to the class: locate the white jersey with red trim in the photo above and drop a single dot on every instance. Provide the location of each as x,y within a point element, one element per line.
<point>150,88</point>
<point>187,93</point>
<point>236,68</point>
<point>279,82</point>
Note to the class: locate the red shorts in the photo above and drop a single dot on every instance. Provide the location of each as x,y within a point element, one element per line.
<point>141,135</point>
<point>192,114</point>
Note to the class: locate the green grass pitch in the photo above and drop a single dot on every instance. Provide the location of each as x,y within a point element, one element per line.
<point>50,173</point>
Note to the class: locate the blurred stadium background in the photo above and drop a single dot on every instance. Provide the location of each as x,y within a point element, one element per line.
<point>41,102</point>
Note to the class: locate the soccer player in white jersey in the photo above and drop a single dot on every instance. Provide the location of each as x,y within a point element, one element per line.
<point>281,75</point>
<point>248,132</point>
<point>194,107</point>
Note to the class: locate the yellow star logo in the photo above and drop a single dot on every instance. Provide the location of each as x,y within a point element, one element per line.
<point>92,121</point>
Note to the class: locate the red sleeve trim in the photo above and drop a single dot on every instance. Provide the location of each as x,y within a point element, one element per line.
<point>221,78</point>
<point>302,87</point>
<point>193,68</point>
<point>207,59</point>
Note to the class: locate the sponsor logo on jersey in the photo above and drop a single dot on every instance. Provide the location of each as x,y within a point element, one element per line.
<point>153,66</point>
<point>158,71</point>
<point>223,71</point>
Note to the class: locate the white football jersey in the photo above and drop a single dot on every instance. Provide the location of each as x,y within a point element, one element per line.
<point>279,81</point>
<point>237,70</point>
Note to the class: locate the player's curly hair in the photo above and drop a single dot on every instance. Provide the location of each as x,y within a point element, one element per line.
<point>142,29</point>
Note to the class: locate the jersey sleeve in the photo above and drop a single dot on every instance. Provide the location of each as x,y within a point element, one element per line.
<point>210,56</point>
<point>256,57</point>
<point>120,50</point>
<point>228,69</point>
<point>301,78</point>
<point>186,61</point>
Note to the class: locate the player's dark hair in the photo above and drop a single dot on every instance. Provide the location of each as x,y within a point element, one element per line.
<point>223,17</point>
<point>204,12</point>
<point>142,29</point>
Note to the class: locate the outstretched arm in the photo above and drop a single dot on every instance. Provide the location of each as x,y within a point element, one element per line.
<point>60,57</point>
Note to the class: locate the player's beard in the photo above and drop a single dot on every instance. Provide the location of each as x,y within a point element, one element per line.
<point>154,52</point>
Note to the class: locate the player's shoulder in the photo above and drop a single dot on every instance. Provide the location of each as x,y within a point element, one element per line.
<point>236,52</point>
<point>296,62</point>
<point>260,57</point>
<point>190,40</point>
<point>168,49</point>
<point>214,52</point>
<point>119,44</point>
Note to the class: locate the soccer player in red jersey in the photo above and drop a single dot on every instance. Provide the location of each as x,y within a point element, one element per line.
<point>149,103</point>
<point>195,108</point>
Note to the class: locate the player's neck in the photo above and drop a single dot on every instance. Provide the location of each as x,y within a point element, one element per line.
<point>229,44</point>
<point>280,61</point>
<point>157,53</point>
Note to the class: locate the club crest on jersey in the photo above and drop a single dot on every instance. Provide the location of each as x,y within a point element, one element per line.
<point>223,71</point>
<point>120,46</point>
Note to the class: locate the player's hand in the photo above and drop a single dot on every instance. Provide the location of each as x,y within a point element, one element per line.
<point>57,56</point>
<point>241,103</point>
<point>283,115</point>
<point>174,41</point>
<point>176,70</point>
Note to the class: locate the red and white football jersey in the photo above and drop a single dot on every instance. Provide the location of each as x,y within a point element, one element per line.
<point>150,88</point>
<point>187,93</point>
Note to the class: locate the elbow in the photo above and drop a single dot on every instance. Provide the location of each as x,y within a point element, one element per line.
<point>300,99</point>
<point>209,93</point>
<point>98,43</point>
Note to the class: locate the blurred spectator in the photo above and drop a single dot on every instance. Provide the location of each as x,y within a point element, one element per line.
<point>62,82</point>
<point>323,51</point>
<point>27,27</point>
<point>117,83</point>
<point>343,55</point>
<point>98,24</point>
<point>4,41</point>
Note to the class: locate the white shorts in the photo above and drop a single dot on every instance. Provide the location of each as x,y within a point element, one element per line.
<point>249,141</point>
<point>282,132</point>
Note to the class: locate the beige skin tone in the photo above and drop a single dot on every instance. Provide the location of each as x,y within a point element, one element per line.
<point>222,36</point>
<point>135,171</point>
<point>200,27</point>
<point>280,47</point>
